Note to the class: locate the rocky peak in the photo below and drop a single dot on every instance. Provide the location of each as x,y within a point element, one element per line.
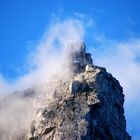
<point>87,107</point>
<point>80,59</point>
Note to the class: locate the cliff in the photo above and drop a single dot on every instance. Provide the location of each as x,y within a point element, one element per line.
<point>87,107</point>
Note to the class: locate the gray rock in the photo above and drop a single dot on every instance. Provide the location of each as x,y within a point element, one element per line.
<point>89,106</point>
<point>80,59</point>
<point>91,112</point>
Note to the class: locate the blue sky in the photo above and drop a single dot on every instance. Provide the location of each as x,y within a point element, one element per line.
<point>23,22</point>
<point>114,23</point>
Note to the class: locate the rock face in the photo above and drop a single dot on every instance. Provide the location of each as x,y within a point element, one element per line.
<point>87,107</point>
<point>80,59</point>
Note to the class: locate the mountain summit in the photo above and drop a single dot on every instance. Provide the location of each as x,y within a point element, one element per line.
<point>87,106</point>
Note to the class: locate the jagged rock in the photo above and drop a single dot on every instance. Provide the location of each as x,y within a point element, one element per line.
<point>80,59</point>
<point>94,111</point>
<point>89,106</point>
<point>90,109</point>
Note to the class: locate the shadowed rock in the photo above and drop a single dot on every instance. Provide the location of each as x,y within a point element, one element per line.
<point>89,106</point>
<point>90,109</point>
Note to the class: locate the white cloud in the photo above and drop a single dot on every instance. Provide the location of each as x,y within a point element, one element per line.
<point>50,55</point>
<point>4,86</point>
<point>49,61</point>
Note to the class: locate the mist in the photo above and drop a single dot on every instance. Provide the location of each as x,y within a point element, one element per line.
<point>50,55</point>
<point>50,61</point>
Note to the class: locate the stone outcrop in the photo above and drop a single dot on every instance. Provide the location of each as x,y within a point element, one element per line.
<point>88,107</point>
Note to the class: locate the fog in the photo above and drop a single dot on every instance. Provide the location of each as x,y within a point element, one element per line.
<point>49,61</point>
